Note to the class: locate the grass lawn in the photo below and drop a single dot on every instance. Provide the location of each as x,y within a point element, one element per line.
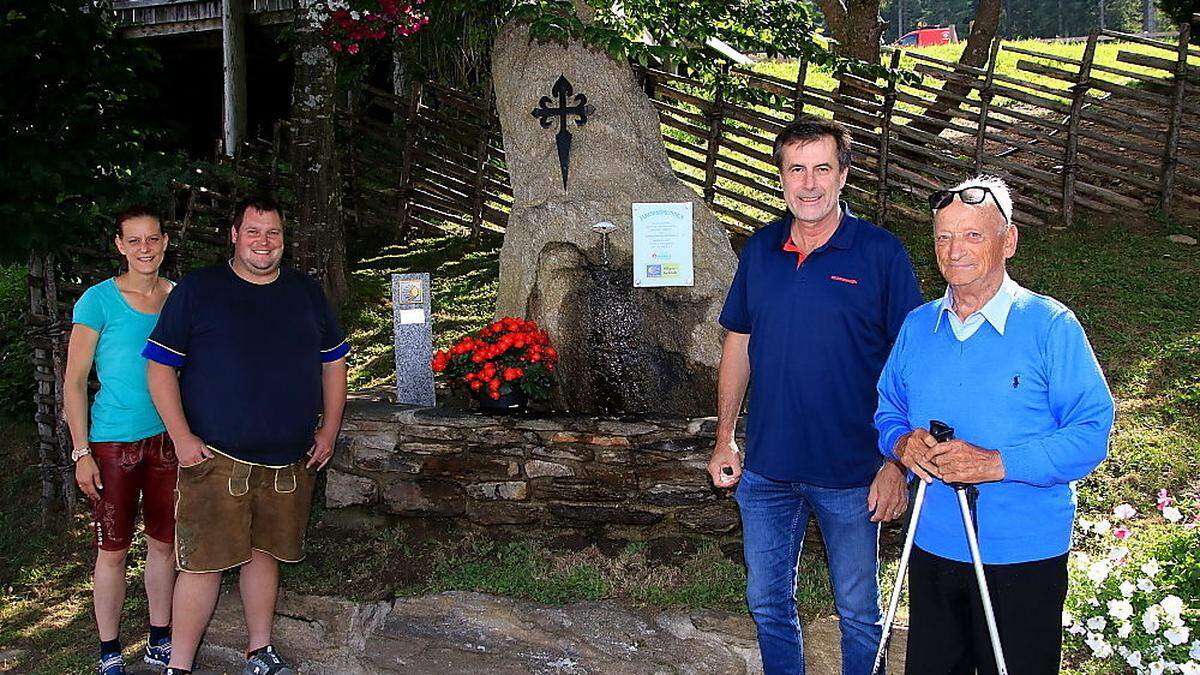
<point>1006,65</point>
<point>1134,290</point>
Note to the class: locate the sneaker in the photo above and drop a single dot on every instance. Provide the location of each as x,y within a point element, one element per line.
<point>111,664</point>
<point>267,662</point>
<point>158,654</point>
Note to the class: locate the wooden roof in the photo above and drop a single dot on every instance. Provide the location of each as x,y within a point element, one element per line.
<point>145,18</point>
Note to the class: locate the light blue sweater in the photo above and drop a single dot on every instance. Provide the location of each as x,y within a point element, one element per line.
<point>1027,385</point>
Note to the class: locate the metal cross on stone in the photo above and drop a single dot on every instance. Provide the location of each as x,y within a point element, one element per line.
<point>563,90</point>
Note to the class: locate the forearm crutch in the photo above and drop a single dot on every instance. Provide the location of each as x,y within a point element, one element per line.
<point>942,433</point>
<point>965,506</point>
<point>898,587</point>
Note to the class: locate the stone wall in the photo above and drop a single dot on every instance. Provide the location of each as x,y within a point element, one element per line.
<point>637,479</point>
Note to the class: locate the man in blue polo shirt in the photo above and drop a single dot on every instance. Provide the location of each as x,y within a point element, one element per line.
<point>248,372</point>
<point>1013,373</point>
<point>816,303</point>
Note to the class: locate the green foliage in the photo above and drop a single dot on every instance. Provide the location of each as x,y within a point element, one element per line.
<point>74,124</point>
<point>16,357</point>
<point>1181,11</point>
<point>679,31</point>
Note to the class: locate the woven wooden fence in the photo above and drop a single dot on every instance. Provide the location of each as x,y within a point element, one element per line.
<point>1107,140</point>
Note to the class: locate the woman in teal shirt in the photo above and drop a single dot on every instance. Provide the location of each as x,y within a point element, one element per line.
<point>123,452</point>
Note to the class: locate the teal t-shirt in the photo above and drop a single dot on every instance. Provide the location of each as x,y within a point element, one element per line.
<point>122,410</point>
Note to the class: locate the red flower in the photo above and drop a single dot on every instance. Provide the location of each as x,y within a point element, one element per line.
<point>511,374</point>
<point>476,385</point>
<point>352,48</point>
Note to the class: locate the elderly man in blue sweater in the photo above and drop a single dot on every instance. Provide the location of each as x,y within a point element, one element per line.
<point>1012,372</point>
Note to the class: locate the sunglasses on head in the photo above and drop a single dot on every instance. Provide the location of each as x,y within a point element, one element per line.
<point>968,195</point>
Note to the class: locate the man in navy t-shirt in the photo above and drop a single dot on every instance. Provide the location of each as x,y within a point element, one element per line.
<point>248,371</point>
<point>816,303</point>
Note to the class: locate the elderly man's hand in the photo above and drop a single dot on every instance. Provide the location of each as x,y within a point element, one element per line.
<point>888,496</point>
<point>958,461</point>
<point>913,452</point>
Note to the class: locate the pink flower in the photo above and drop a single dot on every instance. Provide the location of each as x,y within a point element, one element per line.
<point>1121,533</point>
<point>1164,499</point>
<point>352,48</point>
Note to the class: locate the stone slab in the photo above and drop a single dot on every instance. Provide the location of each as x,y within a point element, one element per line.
<point>413,341</point>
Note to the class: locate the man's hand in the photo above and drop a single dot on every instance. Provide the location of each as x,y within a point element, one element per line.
<point>913,452</point>
<point>190,450</point>
<point>725,465</point>
<point>888,497</point>
<point>958,461</point>
<point>87,477</point>
<point>322,449</point>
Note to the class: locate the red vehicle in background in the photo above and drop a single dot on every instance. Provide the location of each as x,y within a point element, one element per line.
<point>925,37</point>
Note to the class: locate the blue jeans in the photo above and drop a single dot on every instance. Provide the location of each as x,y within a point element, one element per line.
<point>774,517</point>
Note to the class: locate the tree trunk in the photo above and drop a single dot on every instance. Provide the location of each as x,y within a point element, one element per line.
<point>319,239</point>
<point>975,54</point>
<point>857,27</point>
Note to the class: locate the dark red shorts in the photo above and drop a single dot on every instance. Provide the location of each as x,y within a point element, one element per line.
<point>145,468</point>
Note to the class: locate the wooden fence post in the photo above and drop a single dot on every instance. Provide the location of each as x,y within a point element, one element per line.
<point>985,104</point>
<point>885,132</point>
<point>404,188</point>
<point>716,114</point>
<point>798,96</point>
<point>1078,94</point>
<point>1171,150</point>
<point>477,183</point>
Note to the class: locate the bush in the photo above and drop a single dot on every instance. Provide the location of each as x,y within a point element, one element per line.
<point>1135,586</point>
<point>16,357</point>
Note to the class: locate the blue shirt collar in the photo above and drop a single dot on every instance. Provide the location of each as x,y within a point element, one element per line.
<point>843,236</point>
<point>995,311</point>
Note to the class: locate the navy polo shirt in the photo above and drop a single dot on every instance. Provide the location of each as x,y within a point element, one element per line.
<point>250,360</point>
<point>819,335</point>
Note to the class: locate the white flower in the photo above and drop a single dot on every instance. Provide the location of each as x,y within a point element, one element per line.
<point>1123,511</point>
<point>1134,659</point>
<point>1097,623</point>
<point>1098,571</point>
<point>1127,589</point>
<point>1150,568</point>
<point>1172,605</point>
<point>1120,609</point>
<point>1145,585</point>
<point>1124,630</point>
<point>1100,648</point>
<point>1172,514</point>
<point>1077,629</point>
<point>1081,558</point>
<point>1195,651</point>
<point>1118,553</point>
<point>1157,667</point>
<point>1150,619</point>
<point>1177,635</point>
<point>1085,525</point>
<point>355,15</point>
<point>1190,668</point>
<point>1067,619</point>
<point>1102,527</point>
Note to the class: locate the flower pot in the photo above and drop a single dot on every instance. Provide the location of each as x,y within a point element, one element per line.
<point>513,401</point>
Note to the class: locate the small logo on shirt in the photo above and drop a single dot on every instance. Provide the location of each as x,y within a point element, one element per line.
<point>1016,381</point>
<point>844,280</point>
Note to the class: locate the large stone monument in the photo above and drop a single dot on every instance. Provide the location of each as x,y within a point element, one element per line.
<point>623,349</point>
